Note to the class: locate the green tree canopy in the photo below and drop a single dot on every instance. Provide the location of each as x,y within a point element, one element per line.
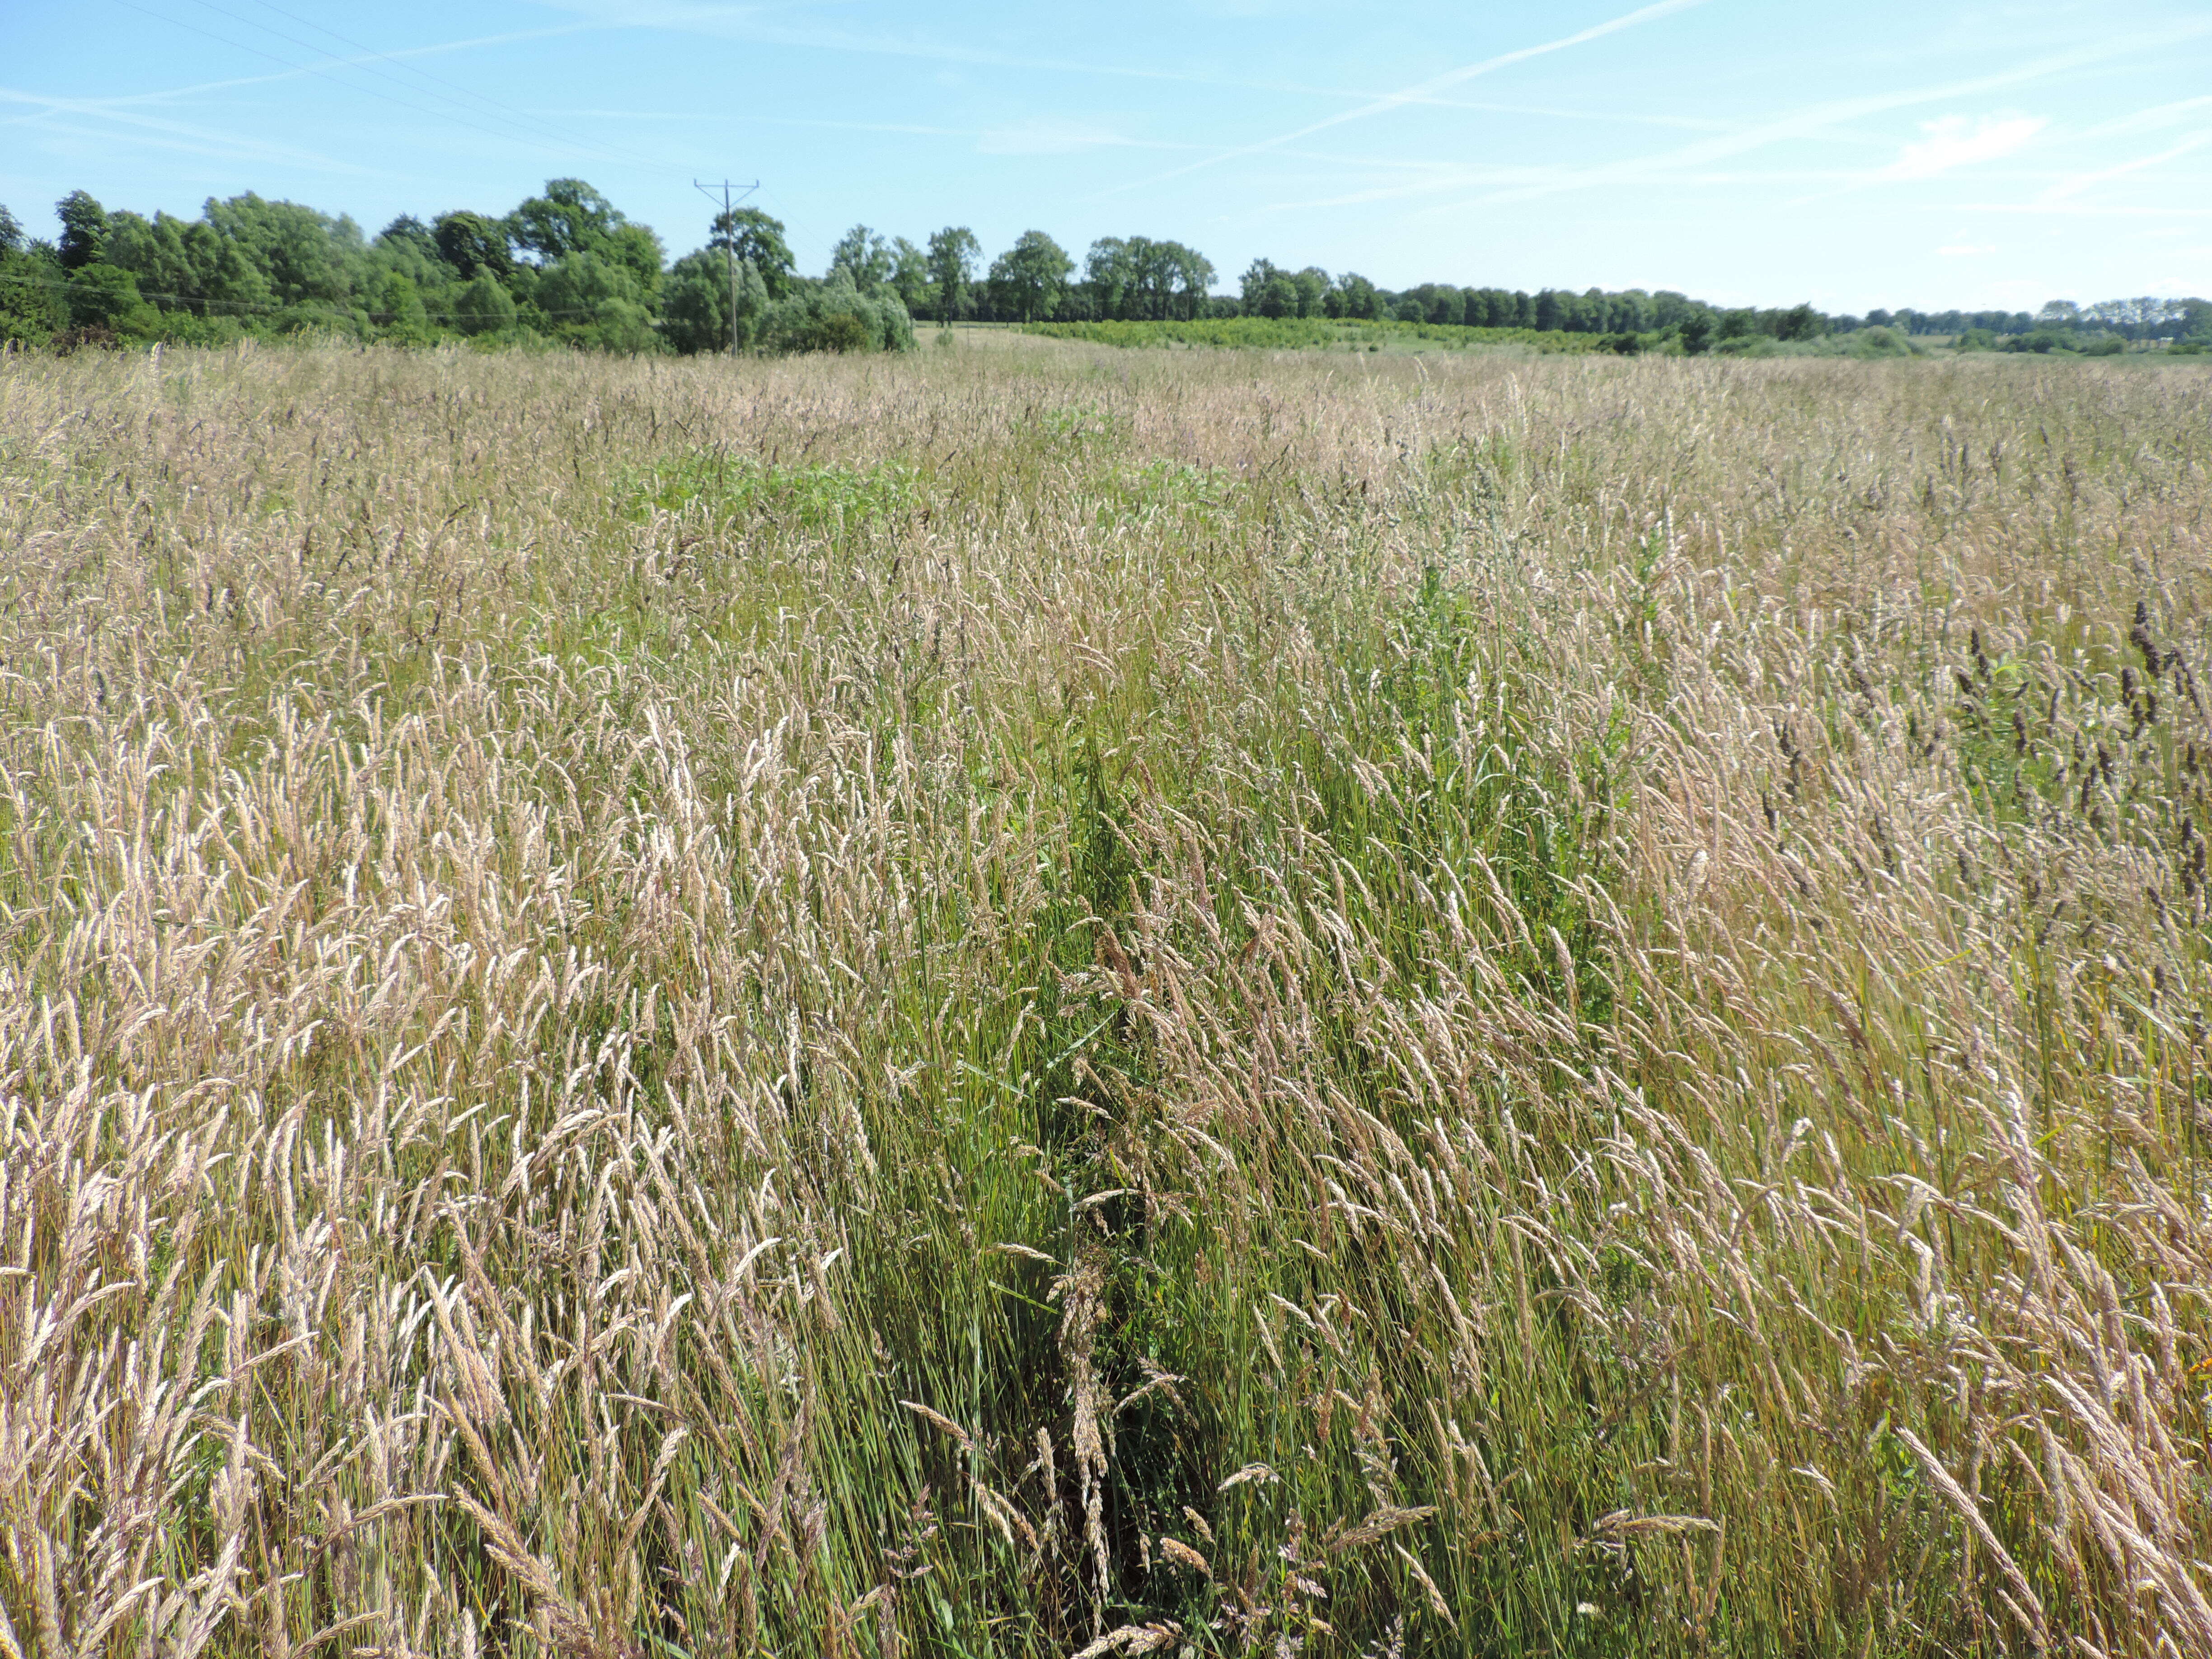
<point>396,309</point>
<point>570,218</point>
<point>954,253</point>
<point>910,278</point>
<point>694,303</point>
<point>483,305</point>
<point>409,231</point>
<point>1029,278</point>
<point>591,300</point>
<point>1136,276</point>
<point>307,257</point>
<point>104,297</point>
<point>1360,297</point>
<point>1800,322</point>
<point>1313,288</point>
<point>834,315</point>
<point>1253,283</point>
<point>84,230</point>
<point>864,256</point>
<point>758,238</point>
<point>473,242</point>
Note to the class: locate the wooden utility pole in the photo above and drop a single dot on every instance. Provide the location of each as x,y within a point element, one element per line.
<point>729,239</point>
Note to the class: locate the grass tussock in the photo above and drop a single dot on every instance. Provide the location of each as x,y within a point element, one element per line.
<point>1106,1003</point>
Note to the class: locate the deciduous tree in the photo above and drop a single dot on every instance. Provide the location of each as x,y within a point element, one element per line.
<point>752,235</point>
<point>1027,279</point>
<point>84,230</point>
<point>954,253</point>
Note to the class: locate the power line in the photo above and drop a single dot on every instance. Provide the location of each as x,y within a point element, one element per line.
<point>315,69</point>
<point>482,98</point>
<point>304,69</point>
<point>252,307</point>
<point>727,225</point>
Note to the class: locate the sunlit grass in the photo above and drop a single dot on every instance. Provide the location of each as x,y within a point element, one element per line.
<point>1062,1000</point>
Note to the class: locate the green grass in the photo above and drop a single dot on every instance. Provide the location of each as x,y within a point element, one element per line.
<point>985,1004</point>
<point>1301,334</point>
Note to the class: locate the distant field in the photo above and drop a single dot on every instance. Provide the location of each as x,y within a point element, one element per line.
<point>1015,1002</point>
<point>1278,333</point>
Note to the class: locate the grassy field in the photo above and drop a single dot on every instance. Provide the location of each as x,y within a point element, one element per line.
<point>1314,333</point>
<point>1087,1001</point>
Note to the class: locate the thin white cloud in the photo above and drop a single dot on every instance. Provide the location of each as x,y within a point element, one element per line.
<point>91,139</point>
<point>1814,120</point>
<point>44,110</point>
<point>332,60</point>
<point>1509,183</point>
<point>521,126</point>
<point>1957,140</point>
<point>2081,181</point>
<point>2159,115</point>
<point>1040,139</point>
<point>753,24</point>
<point>2087,210</point>
<point>1422,90</point>
<point>1059,138</point>
<point>1966,250</point>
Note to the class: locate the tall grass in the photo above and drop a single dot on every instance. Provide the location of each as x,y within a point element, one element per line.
<point>1100,1002</point>
<point>1296,333</point>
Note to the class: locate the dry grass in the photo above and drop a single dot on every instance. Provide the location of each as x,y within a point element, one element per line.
<point>1047,1001</point>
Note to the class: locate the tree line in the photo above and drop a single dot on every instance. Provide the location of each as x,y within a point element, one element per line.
<point>567,267</point>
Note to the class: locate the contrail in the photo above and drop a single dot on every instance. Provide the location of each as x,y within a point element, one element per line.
<point>1424,91</point>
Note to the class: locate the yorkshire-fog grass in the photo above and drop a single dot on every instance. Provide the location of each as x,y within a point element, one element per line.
<point>1061,1001</point>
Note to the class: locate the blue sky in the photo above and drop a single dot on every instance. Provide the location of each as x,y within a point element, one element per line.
<point>1745,151</point>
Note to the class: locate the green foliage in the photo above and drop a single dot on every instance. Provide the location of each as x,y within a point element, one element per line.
<point>694,303</point>
<point>731,492</point>
<point>473,242</point>
<point>570,218</point>
<point>1356,298</point>
<point>1027,279</point>
<point>34,306</point>
<point>483,307</point>
<point>835,316</point>
<point>104,297</point>
<point>1800,322</point>
<point>571,265</point>
<point>1270,292</point>
<point>396,307</point>
<point>1291,333</point>
<point>84,230</point>
<point>189,266</point>
<point>755,237</point>
<point>1135,276</point>
<point>1878,342</point>
<point>954,253</point>
<point>591,301</point>
<point>910,275</point>
<point>864,258</point>
<point>308,258</point>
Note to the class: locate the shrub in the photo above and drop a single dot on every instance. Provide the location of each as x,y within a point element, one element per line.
<point>483,305</point>
<point>32,306</point>
<point>102,298</point>
<point>835,316</point>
